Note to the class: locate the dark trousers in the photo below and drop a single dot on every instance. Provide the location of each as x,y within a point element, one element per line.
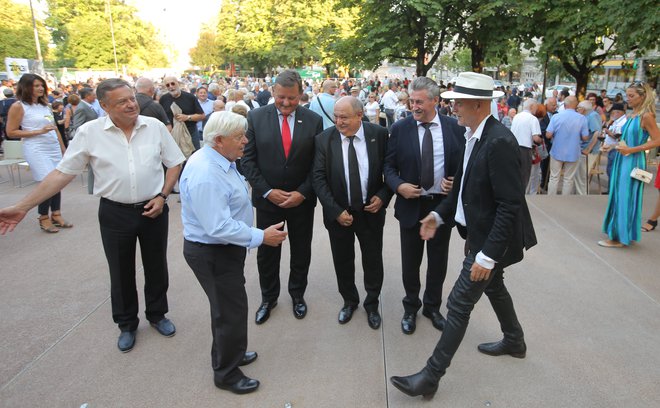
<point>462,299</point>
<point>299,224</point>
<point>368,228</point>
<point>525,165</point>
<point>53,204</point>
<point>389,113</point>
<point>121,227</point>
<point>219,270</point>
<point>412,251</point>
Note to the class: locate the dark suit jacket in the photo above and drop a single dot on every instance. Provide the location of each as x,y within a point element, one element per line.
<point>264,164</point>
<point>83,114</point>
<point>329,179</point>
<point>496,213</point>
<point>403,161</point>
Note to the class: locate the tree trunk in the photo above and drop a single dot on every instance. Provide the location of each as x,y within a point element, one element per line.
<point>477,52</point>
<point>581,73</point>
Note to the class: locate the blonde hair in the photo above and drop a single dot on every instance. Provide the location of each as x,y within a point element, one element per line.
<point>646,92</point>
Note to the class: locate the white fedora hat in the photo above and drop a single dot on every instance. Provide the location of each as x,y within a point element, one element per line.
<point>471,85</point>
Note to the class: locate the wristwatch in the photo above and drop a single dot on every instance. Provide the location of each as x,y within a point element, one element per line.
<point>188,117</point>
<point>162,195</point>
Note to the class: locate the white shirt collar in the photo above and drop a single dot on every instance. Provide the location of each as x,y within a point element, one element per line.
<point>359,134</point>
<point>436,120</point>
<point>477,133</point>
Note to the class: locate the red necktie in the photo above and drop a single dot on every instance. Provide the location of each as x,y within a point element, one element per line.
<point>286,135</point>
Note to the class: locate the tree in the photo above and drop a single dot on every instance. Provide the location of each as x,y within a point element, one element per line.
<point>582,34</point>
<point>401,30</point>
<point>82,36</point>
<point>206,53</point>
<point>16,32</point>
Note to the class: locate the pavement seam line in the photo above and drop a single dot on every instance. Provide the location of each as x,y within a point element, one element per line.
<point>591,251</point>
<point>382,335</point>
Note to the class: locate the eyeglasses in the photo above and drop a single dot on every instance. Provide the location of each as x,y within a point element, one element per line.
<point>170,84</point>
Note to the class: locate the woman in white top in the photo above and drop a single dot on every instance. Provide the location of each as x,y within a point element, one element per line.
<point>31,119</point>
<point>372,109</point>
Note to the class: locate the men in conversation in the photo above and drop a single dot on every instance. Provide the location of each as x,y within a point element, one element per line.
<point>348,180</point>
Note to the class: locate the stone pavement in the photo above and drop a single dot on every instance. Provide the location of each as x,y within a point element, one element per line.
<point>591,317</point>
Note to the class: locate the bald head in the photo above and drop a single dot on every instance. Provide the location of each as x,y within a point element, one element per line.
<point>570,102</point>
<point>145,86</point>
<point>329,86</point>
<point>218,105</point>
<point>353,104</point>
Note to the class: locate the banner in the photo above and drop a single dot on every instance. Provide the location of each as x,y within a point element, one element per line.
<point>16,67</point>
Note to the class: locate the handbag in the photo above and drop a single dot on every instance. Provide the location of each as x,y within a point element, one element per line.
<point>641,175</point>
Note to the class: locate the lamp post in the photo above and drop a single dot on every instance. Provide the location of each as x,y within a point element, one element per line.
<point>36,36</point>
<point>112,32</point>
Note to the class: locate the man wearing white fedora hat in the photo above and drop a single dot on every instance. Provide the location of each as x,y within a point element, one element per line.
<point>490,211</point>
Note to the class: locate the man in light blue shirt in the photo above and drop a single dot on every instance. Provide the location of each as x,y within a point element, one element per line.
<point>216,212</point>
<point>324,103</point>
<point>589,147</point>
<point>567,129</point>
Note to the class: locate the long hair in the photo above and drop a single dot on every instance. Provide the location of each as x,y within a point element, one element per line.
<point>648,95</point>
<point>24,92</point>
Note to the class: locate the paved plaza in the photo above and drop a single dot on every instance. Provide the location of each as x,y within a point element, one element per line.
<point>591,317</point>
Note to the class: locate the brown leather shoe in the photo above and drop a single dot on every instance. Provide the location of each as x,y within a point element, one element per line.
<point>60,222</point>
<point>46,225</point>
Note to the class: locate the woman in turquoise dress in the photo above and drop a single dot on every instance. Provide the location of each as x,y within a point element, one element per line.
<point>623,218</point>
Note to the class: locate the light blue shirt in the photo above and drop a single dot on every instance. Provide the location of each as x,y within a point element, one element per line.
<point>595,124</point>
<point>215,203</point>
<point>567,128</point>
<point>328,102</point>
<point>207,107</point>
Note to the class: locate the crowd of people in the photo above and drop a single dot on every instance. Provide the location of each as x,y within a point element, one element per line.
<point>462,155</point>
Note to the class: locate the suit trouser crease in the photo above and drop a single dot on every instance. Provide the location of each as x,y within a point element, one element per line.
<point>369,230</point>
<point>460,304</point>
<point>220,272</point>
<point>121,228</point>
<point>412,251</point>
<point>299,224</point>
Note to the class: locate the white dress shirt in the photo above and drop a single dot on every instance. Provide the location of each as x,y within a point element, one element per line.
<point>125,170</point>
<point>438,153</point>
<point>360,145</point>
<point>524,126</point>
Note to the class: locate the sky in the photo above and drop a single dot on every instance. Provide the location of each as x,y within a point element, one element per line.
<point>179,21</point>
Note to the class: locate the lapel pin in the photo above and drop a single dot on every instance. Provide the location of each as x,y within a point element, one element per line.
<point>299,121</point>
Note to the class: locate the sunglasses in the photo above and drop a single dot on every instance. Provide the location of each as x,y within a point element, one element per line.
<point>170,84</point>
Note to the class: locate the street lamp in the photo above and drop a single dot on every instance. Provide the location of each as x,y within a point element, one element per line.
<point>112,32</point>
<point>36,37</point>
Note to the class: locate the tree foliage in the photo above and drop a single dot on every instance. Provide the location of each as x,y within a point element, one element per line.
<point>82,36</point>
<point>17,34</point>
<point>582,34</point>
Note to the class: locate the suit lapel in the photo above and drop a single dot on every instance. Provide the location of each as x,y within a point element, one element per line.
<point>446,144</point>
<point>372,154</point>
<point>273,118</point>
<point>414,141</point>
<point>297,131</point>
<point>337,160</point>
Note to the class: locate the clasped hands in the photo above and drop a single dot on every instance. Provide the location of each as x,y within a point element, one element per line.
<point>285,199</point>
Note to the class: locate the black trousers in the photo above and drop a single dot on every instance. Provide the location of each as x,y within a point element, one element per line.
<point>368,228</point>
<point>412,251</point>
<point>121,227</point>
<point>219,270</point>
<point>462,299</point>
<point>53,204</point>
<point>299,224</point>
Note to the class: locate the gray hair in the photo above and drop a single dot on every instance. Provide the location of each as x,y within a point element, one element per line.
<point>213,87</point>
<point>586,105</point>
<point>288,79</point>
<point>425,84</point>
<point>109,85</point>
<point>223,124</point>
<point>529,104</point>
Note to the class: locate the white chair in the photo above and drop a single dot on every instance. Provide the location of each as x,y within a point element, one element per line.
<point>13,159</point>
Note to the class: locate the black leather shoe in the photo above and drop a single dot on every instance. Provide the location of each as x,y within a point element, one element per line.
<point>165,327</point>
<point>437,319</point>
<point>126,341</point>
<point>373,318</point>
<point>245,385</point>
<point>345,314</point>
<point>263,313</point>
<point>248,358</point>
<point>408,323</point>
<point>416,384</point>
<point>299,308</point>
<point>499,348</point>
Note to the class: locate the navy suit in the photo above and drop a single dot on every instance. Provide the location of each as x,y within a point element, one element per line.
<point>403,165</point>
<point>329,182</point>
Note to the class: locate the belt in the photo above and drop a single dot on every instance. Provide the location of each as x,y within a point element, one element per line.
<point>525,147</point>
<point>135,205</point>
<point>202,244</point>
<point>430,197</point>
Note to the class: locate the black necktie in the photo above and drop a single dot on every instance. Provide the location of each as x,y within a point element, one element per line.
<point>427,158</point>
<point>355,186</point>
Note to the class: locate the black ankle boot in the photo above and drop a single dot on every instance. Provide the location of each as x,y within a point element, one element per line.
<point>422,383</point>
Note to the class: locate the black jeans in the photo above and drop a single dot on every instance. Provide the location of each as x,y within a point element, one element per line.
<point>52,203</point>
<point>462,299</point>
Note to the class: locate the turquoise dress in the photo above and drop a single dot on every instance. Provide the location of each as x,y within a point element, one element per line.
<point>623,218</point>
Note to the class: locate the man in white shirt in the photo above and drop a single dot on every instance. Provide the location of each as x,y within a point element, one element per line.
<point>126,152</point>
<point>389,102</point>
<point>527,130</point>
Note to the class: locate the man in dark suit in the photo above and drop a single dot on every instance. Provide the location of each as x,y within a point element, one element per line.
<point>84,112</point>
<point>488,204</point>
<point>348,180</point>
<point>278,164</point>
<point>423,155</point>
